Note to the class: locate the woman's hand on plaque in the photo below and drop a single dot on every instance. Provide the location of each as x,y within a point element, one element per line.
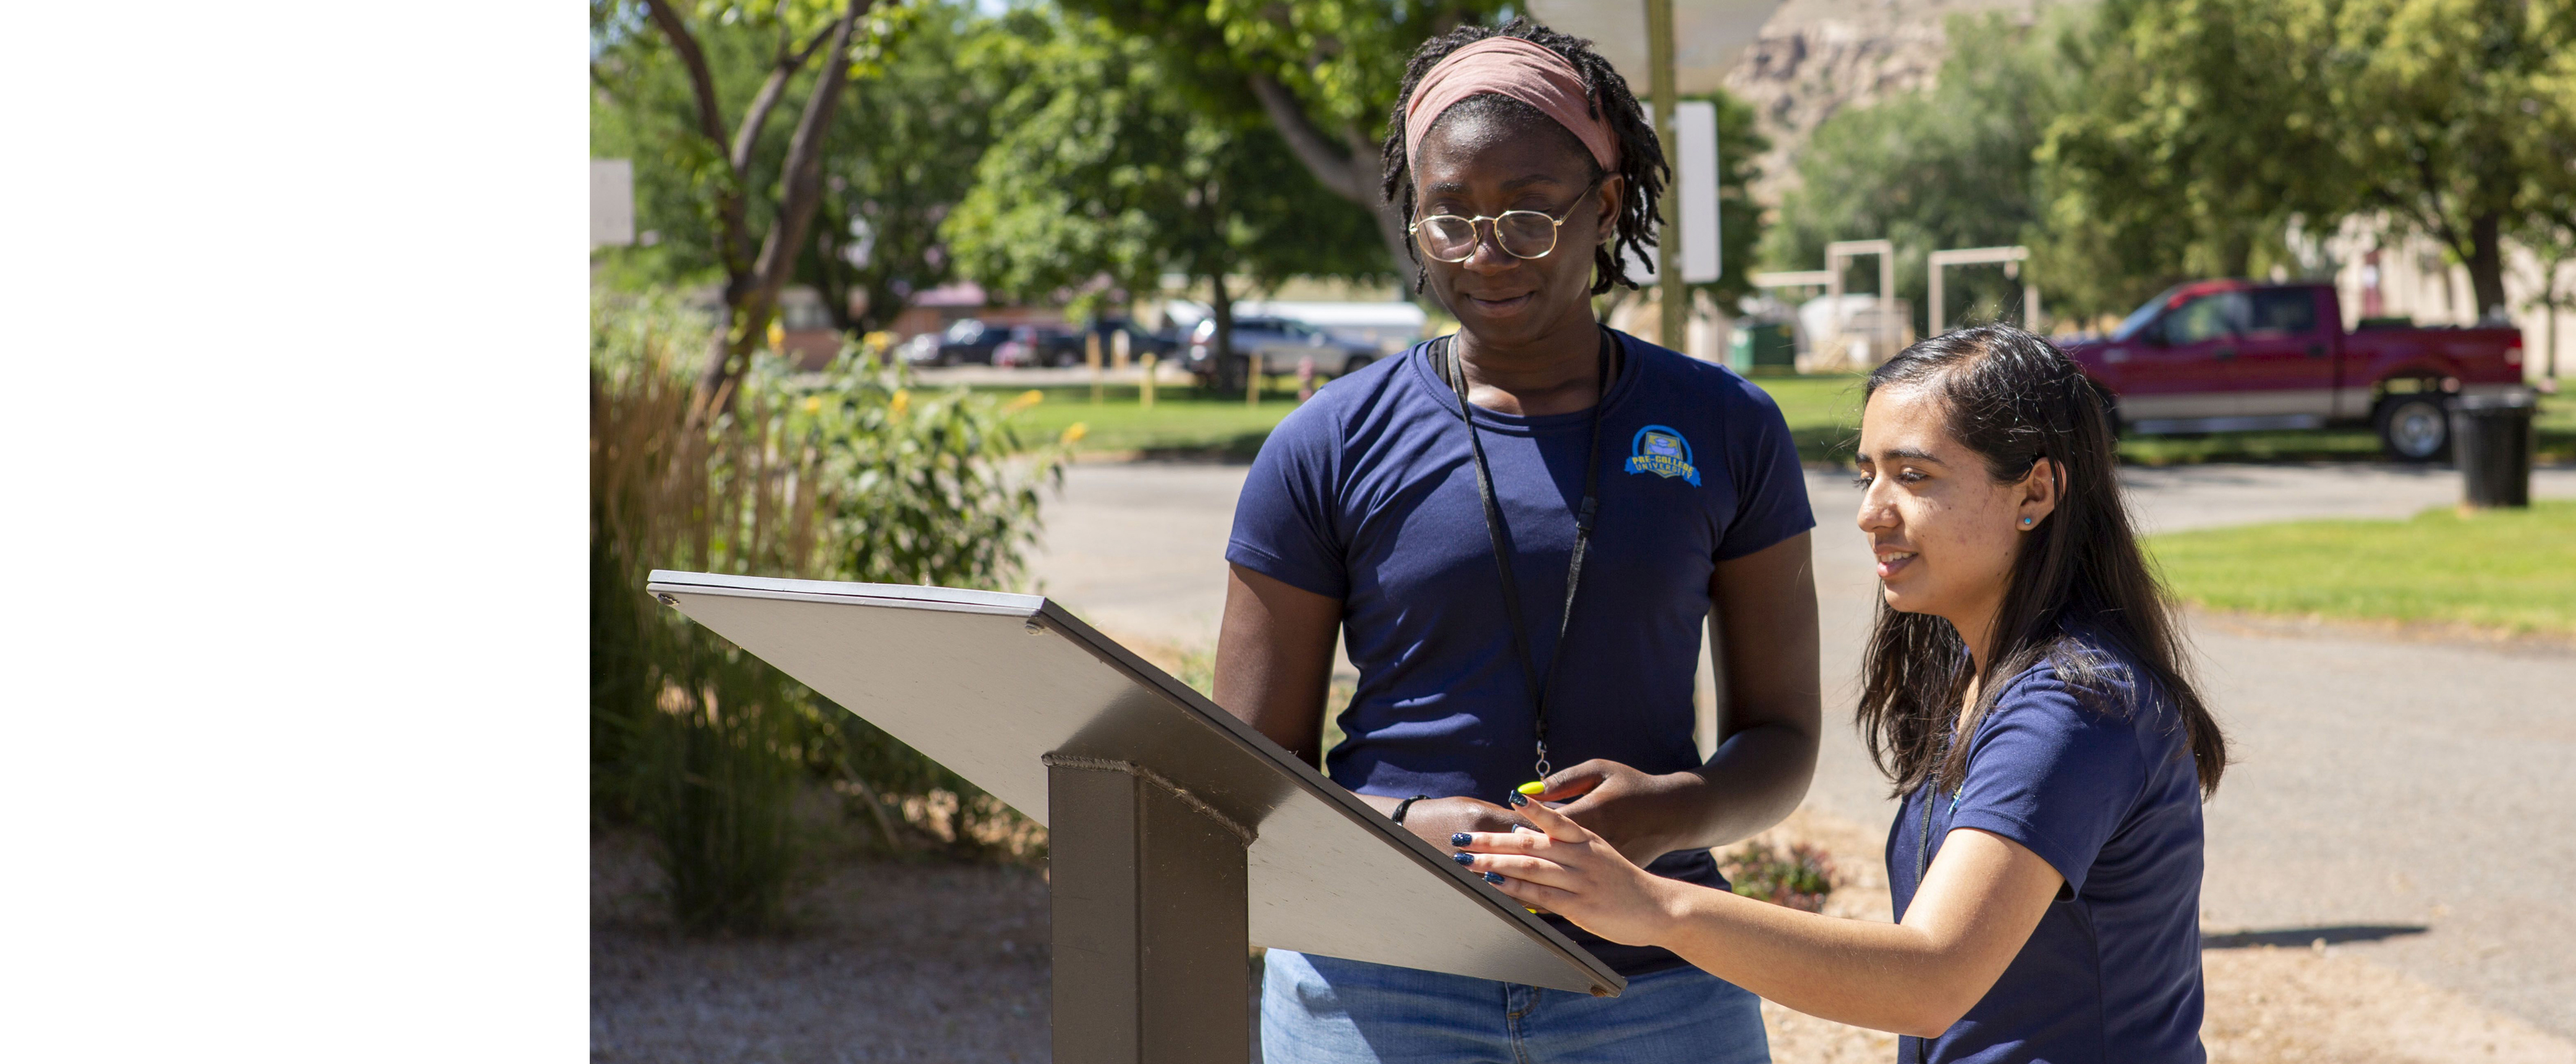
<point>1560,866</point>
<point>1438,820</point>
<point>1620,804</point>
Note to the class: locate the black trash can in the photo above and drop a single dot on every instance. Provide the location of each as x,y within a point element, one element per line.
<point>2491,437</point>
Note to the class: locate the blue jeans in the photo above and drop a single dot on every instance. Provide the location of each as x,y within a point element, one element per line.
<point>1322,1010</point>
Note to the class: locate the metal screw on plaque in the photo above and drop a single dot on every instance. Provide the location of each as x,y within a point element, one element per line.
<point>1033,627</point>
<point>668,600</point>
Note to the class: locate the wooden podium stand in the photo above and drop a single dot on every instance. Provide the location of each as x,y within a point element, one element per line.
<point>1179,836</point>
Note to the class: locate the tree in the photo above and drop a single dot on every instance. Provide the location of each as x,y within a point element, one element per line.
<point>2428,99</point>
<point>1322,73</point>
<point>2191,143</point>
<point>901,157</point>
<point>899,154</point>
<point>1106,175</point>
<point>2548,149</point>
<point>2209,127</point>
<point>755,260</point>
<point>1948,167</point>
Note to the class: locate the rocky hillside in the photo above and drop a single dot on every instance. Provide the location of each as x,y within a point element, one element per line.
<point>1816,57</point>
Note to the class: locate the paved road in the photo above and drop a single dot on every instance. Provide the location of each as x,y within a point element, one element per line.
<point>2379,783</point>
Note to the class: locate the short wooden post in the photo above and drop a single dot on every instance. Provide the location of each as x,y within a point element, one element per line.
<point>1091,358</point>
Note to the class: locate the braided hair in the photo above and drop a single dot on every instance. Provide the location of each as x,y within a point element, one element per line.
<point>1641,155</point>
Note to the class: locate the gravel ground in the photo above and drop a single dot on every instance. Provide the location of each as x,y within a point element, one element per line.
<point>891,961</point>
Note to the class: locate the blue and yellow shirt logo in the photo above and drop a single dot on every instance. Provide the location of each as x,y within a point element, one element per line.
<point>1660,450</point>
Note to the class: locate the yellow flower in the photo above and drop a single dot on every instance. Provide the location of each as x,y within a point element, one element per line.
<point>813,404</point>
<point>1074,433</point>
<point>1023,401</point>
<point>901,402</point>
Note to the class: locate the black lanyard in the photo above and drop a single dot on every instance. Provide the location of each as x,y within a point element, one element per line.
<point>1447,359</point>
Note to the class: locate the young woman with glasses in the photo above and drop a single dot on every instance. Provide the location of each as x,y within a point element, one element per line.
<point>1519,532</point>
<point>2027,694</point>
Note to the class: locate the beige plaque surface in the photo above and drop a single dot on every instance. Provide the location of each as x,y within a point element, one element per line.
<point>987,683</point>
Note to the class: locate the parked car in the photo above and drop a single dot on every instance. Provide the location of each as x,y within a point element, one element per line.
<point>1070,348</point>
<point>921,350</point>
<point>1280,343</point>
<point>1034,345</point>
<point>970,340</point>
<point>2214,356</point>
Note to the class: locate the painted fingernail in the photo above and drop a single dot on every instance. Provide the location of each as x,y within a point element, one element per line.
<point>1532,787</point>
<point>1493,877</point>
<point>1461,839</point>
<point>1463,858</point>
<point>1520,799</point>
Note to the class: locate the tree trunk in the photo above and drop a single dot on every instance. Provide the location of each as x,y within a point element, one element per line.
<point>754,298</point>
<point>830,271</point>
<point>1221,345</point>
<point>2236,250</point>
<point>884,302</point>
<point>2486,264</point>
<point>1349,167</point>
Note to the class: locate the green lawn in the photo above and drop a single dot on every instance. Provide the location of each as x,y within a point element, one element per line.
<point>1182,423</point>
<point>1823,412</point>
<point>2501,569</point>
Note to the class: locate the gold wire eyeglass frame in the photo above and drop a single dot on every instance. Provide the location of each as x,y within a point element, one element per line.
<point>1476,231</point>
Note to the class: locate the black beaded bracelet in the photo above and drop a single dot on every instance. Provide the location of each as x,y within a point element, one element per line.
<point>1400,807</point>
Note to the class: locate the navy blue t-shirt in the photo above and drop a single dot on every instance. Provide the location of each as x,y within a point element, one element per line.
<point>1367,494</point>
<point>2101,785</point>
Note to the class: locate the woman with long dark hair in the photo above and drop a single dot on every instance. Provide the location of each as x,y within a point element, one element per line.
<point>1520,533</point>
<point>2027,693</point>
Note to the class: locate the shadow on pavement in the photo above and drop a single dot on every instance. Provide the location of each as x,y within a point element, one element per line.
<point>2309,936</point>
<point>1236,450</point>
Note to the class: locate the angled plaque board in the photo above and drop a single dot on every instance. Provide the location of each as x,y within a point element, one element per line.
<point>988,684</point>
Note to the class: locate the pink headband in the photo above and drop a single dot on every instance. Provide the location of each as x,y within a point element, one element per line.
<point>1518,69</point>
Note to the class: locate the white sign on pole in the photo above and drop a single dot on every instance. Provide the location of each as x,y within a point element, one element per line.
<point>1695,125</point>
<point>612,202</point>
<point>1708,35</point>
<point>1694,160</point>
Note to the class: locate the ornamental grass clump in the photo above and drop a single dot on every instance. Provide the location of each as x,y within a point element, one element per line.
<point>855,475</point>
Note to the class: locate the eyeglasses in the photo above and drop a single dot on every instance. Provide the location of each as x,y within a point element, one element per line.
<point>1521,234</point>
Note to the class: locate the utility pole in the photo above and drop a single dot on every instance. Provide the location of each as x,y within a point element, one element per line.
<point>1674,297</point>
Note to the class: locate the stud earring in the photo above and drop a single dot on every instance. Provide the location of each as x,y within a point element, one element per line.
<point>2025,522</point>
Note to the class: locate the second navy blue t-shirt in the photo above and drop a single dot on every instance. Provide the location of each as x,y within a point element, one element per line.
<point>1367,494</point>
<point>2100,783</point>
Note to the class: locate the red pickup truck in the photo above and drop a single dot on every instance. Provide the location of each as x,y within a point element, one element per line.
<point>2221,356</point>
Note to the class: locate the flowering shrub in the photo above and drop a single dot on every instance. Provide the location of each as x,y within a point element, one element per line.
<point>1799,879</point>
<point>855,475</point>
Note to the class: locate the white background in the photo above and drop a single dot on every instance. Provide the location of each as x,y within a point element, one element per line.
<point>295,703</point>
